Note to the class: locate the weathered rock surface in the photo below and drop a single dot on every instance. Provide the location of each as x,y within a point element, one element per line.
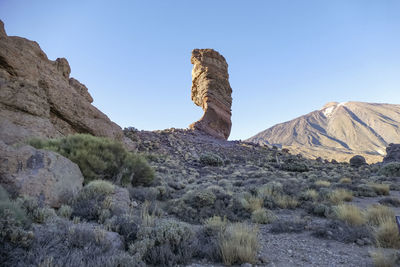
<point>38,98</point>
<point>212,92</point>
<point>357,161</point>
<point>392,153</point>
<point>39,173</point>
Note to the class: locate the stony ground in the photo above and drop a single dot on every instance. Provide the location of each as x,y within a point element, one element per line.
<point>206,191</point>
<point>247,167</point>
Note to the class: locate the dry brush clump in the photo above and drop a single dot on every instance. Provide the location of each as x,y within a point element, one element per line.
<point>387,234</point>
<point>350,214</point>
<point>380,189</point>
<point>376,214</point>
<point>272,196</point>
<point>338,196</point>
<point>382,259</point>
<point>231,243</point>
<point>167,243</point>
<point>239,244</point>
<point>322,183</point>
<point>345,180</point>
<point>263,216</point>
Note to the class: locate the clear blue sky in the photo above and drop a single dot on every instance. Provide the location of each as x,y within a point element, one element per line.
<point>286,58</point>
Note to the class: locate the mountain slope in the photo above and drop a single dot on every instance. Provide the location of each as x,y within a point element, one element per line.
<point>338,131</point>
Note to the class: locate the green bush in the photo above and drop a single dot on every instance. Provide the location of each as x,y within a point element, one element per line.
<point>295,167</point>
<point>100,158</point>
<point>211,159</point>
<point>390,169</point>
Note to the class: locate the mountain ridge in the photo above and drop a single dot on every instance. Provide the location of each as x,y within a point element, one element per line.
<point>338,131</point>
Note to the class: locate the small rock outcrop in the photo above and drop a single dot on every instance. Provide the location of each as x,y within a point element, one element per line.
<point>392,153</point>
<point>38,98</point>
<point>41,174</point>
<point>357,161</point>
<point>211,91</point>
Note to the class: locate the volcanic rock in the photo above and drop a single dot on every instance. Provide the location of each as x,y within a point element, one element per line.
<point>357,161</point>
<point>212,92</point>
<point>38,98</point>
<point>42,174</point>
<point>392,153</point>
<point>338,131</point>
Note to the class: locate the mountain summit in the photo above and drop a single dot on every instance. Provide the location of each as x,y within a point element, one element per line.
<point>338,131</point>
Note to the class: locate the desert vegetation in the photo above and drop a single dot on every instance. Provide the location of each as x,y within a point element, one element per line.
<point>169,203</point>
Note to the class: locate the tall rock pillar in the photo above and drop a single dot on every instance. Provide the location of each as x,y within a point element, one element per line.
<point>212,92</point>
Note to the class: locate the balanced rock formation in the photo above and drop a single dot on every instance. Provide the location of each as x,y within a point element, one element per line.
<point>211,91</point>
<point>392,153</point>
<point>38,98</point>
<point>41,174</point>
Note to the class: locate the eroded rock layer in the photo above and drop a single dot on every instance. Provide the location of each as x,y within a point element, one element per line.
<point>211,91</point>
<point>38,98</point>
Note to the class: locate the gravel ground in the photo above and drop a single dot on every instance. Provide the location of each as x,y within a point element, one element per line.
<point>302,249</point>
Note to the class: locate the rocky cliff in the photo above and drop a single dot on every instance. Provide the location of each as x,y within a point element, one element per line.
<point>211,91</point>
<point>39,98</point>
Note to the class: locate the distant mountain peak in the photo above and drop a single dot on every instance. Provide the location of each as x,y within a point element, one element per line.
<point>329,108</point>
<point>338,131</point>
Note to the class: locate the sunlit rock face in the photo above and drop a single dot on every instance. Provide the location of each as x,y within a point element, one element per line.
<point>211,91</point>
<point>38,98</point>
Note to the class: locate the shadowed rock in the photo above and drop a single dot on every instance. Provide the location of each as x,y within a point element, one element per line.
<point>39,173</point>
<point>212,92</point>
<point>392,153</point>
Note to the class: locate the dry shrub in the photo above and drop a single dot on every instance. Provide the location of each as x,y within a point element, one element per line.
<point>148,219</point>
<point>252,203</point>
<point>345,180</point>
<point>378,213</point>
<point>263,216</point>
<point>339,195</point>
<point>239,244</point>
<point>216,224</point>
<point>350,214</point>
<point>387,234</point>
<point>322,183</point>
<point>285,201</point>
<point>310,194</point>
<point>269,190</point>
<point>380,189</point>
<point>381,259</point>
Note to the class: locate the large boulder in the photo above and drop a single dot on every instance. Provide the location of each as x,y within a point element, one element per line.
<point>38,98</point>
<point>357,161</point>
<point>211,91</point>
<point>41,174</point>
<point>392,153</point>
